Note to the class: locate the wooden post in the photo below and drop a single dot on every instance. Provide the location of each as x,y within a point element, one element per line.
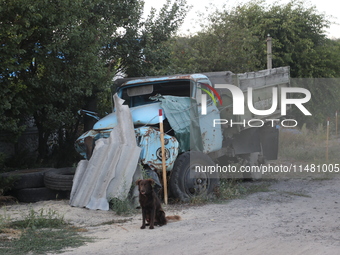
<point>165,185</point>
<point>327,137</point>
<point>336,123</point>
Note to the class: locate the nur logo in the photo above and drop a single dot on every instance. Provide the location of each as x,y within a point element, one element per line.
<point>209,90</point>
<point>239,100</point>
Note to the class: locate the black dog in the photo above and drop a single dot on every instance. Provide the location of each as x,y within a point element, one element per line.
<point>151,206</point>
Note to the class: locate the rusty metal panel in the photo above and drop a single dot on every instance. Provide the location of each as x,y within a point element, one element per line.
<point>150,142</point>
<point>110,170</point>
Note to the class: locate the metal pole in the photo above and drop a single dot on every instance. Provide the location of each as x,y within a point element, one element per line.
<point>269,53</point>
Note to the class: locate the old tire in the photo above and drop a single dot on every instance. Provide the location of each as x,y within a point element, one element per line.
<point>27,178</point>
<point>185,182</point>
<point>60,179</point>
<point>32,195</point>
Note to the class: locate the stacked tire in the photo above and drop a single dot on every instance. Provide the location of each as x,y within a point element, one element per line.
<point>59,179</point>
<point>40,184</point>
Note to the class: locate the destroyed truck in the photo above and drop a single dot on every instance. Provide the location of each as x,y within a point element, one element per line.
<point>201,129</point>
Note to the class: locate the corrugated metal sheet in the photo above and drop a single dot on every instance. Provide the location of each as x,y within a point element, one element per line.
<point>109,172</point>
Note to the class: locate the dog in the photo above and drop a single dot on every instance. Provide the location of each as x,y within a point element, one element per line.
<point>152,211</point>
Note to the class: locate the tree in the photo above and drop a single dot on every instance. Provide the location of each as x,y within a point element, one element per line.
<point>56,56</point>
<point>151,54</point>
<point>235,39</point>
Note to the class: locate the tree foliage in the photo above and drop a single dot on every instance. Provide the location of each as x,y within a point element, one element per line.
<point>235,39</point>
<point>56,56</point>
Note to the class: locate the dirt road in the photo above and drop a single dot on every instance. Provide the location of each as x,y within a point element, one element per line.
<point>297,216</point>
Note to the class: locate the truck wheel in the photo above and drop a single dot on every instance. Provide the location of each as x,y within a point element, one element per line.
<point>252,159</point>
<point>186,181</point>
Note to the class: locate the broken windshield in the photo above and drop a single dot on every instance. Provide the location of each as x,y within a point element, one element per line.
<point>135,97</point>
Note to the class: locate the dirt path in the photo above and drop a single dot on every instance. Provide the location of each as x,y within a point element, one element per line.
<point>295,217</point>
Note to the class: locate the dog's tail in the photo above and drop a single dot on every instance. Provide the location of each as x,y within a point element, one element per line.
<point>173,218</point>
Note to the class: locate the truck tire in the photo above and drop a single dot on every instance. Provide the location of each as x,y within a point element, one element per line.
<point>60,178</point>
<point>252,159</point>
<point>27,178</point>
<point>185,182</point>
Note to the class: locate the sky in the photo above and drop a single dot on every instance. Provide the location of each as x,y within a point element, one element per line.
<point>328,7</point>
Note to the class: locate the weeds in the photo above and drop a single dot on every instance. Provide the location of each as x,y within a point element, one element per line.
<point>199,200</point>
<point>38,233</point>
<point>230,189</point>
<point>41,219</point>
<point>42,241</point>
<point>307,146</point>
<point>122,207</point>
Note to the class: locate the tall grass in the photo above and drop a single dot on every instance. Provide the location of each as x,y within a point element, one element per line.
<point>308,146</point>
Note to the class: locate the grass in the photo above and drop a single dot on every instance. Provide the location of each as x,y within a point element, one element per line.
<point>308,146</point>
<point>38,232</point>
<point>231,189</point>
<point>306,150</point>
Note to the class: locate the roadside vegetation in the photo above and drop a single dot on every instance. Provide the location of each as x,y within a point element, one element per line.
<point>229,189</point>
<point>309,146</point>
<point>122,207</point>
<point>38,232</point>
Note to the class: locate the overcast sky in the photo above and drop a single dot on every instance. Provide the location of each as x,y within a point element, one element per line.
<point>329,7</point>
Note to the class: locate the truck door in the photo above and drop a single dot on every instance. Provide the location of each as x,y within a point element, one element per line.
<point>211,136</point>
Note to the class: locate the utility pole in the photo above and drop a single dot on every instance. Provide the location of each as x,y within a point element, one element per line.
<point>269,52</point>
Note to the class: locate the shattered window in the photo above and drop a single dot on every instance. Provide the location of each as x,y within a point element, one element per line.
<point>180,88</point>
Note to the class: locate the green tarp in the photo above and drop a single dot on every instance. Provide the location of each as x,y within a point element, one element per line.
<point>183,118</point>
